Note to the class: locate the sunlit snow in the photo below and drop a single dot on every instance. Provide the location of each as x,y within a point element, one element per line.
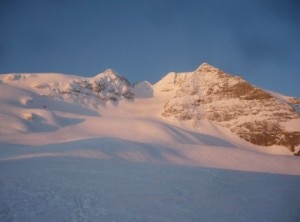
<point>74,156</point>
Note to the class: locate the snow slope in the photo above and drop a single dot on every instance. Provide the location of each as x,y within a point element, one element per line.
<point>68,153</point>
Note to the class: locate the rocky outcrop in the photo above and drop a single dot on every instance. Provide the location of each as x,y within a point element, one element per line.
<point>107,86</point>
<point>250,112</point>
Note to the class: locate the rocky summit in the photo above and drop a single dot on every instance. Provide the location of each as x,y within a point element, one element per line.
<point>256,115</point>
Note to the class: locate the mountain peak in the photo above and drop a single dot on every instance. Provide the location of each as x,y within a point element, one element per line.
<point>112,74</point>
<point>205,67</point>
<point>250,112</point>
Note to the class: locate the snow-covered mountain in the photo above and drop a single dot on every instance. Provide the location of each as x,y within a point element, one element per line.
<point>207,94</point>
<point>101,149</point>
<point>260,117</point>
<point>105,86</point>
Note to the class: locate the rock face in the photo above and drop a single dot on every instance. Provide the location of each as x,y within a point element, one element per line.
<point>252,113</point>
<point>111,86</point>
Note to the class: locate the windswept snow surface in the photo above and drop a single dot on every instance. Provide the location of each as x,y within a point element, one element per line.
<point>68,159</point>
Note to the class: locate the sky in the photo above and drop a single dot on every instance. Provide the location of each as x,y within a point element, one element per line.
<point>258,40</point>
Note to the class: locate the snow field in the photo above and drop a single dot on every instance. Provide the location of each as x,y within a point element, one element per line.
<point>78,188</point>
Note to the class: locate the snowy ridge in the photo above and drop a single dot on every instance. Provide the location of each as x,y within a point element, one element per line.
<point>143,89</point>
<point>106,86</point>
<point>171,81</point>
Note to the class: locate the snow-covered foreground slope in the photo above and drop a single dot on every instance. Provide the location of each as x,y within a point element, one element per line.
<point>79,188</point>
<point>70,154</point>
